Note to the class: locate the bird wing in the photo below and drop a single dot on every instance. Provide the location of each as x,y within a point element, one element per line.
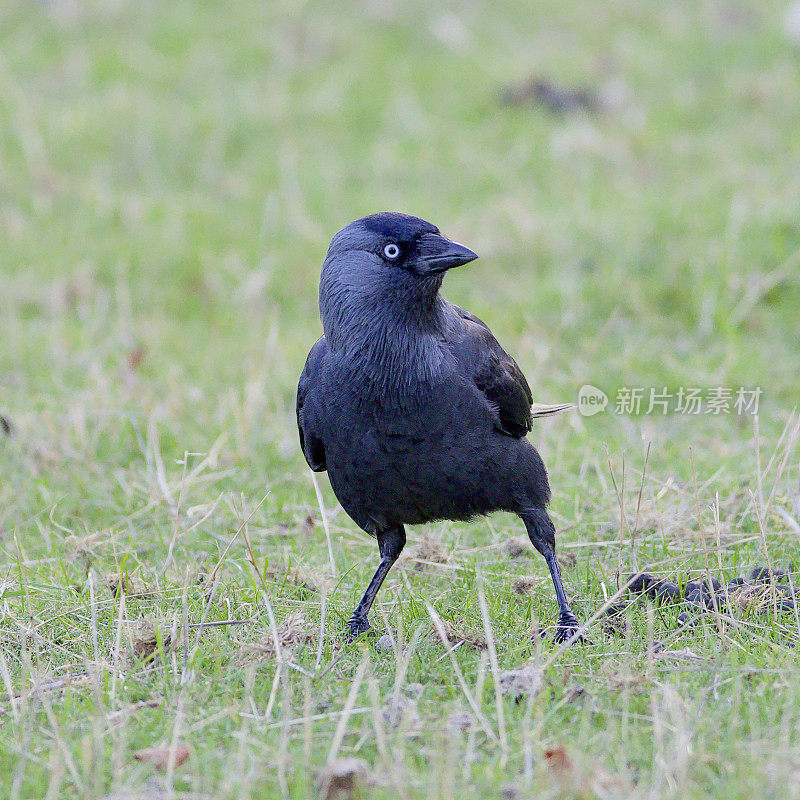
<point>310,441</point>
<point>497,376</point>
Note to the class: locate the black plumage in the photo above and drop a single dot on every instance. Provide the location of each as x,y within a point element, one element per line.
<point>409,402</point>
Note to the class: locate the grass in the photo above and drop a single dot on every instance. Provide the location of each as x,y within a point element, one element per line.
<point>169,179</point>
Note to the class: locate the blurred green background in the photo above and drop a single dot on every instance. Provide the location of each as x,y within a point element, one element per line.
<point>171,175</point>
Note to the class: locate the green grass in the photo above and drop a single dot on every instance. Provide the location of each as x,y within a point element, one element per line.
<point>169,180</point>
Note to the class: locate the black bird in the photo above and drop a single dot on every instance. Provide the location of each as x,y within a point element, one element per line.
<point>410,403</point>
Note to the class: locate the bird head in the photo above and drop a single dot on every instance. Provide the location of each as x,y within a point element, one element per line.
<point>395,250</point>
<point>383,268</point>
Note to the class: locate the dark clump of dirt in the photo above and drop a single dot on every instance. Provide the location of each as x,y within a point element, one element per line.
<point>764,591</point>
<point>542,91</point>
<point>614,622</point>
<point>640,582</point>
<point>149,644</point>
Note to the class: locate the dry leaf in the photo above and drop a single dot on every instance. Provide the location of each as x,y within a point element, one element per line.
<point>399,710</point>
<point>521,682</point>
<point>341,778</point>
<point>427,553</point>
<point>145,645</point>
<point>160,757</point>
<point>524,585</point>
<point>517,547</point>
<point>300,576</point>
<point>686,653</point>
<point>558,760</point>
<point>455,635</point>
<point>589,779</point>
<point>292,632</point>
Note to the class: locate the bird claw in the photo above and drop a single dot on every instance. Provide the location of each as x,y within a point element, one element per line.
<point>356,626</point>
<point>567,629</point>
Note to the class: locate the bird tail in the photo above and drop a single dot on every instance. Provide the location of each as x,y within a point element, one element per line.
<point>549,409</point>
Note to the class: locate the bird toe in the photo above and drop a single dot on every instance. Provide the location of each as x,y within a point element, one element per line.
<point>568,628</point>
<point>356,626</point>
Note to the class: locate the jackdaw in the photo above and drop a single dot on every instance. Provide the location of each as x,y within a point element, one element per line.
<point>410,403</point>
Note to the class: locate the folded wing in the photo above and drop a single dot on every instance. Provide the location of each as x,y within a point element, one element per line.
<point>496,375</point>
<point>310,441</point>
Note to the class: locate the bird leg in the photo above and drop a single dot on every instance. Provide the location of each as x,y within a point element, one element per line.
<point>541,532</point>
<point>567,621</point>
<point>390,545</point>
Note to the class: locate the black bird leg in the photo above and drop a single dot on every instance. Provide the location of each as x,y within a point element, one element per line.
<point>390,544</point>
<point>541,532</point>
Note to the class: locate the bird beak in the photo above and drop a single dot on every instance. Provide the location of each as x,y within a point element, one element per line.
<point>437,254</point>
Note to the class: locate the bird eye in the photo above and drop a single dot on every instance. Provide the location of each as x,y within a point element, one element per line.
<point>391,250</point>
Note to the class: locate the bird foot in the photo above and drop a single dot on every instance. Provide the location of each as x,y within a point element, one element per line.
<point>567,629</point>
<point>356,626</point>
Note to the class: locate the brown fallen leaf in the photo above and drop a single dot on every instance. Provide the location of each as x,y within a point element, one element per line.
<point>340,779</point>
<point>134,358</point>
<point>558,760</point>
<point>587,779</point>
<point>161,756</point>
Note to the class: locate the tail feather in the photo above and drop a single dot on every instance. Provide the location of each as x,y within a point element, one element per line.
<point>549,409</point>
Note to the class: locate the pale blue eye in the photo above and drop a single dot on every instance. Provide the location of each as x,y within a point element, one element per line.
<point>391,250</point>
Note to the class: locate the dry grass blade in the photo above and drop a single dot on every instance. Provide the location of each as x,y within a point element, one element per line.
<point>325,525</point>
<point>493,663</point>
<point>349,704</point>
<point>481,717</point>
<point>235,536</point>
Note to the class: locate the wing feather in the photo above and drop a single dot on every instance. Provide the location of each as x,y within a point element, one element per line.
<point>497,376</point>
<point>310,441</point>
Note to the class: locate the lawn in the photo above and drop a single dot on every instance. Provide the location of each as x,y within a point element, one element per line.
<point>170,176</point>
